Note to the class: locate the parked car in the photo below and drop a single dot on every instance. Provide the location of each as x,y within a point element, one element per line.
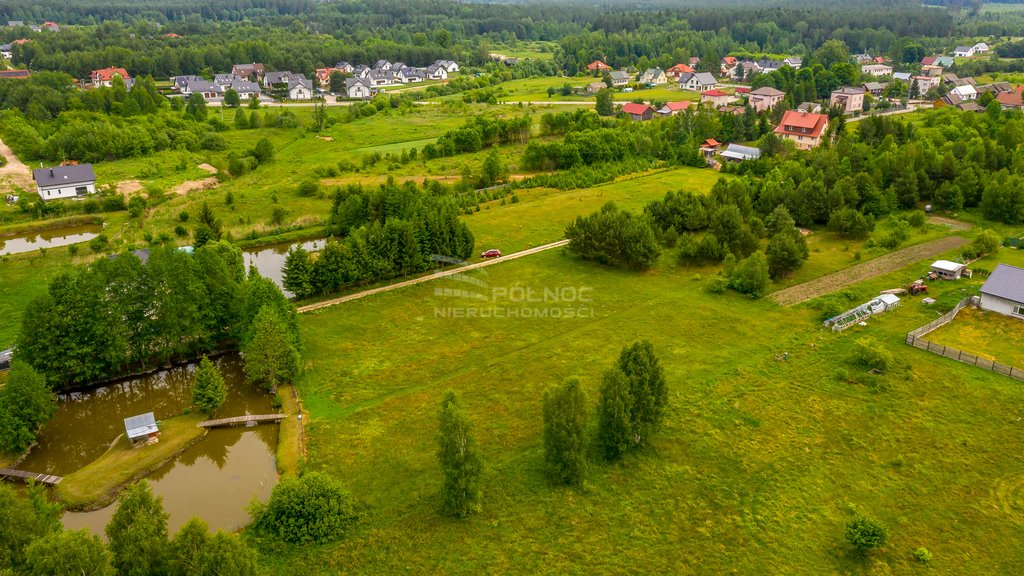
<point>492,253</point>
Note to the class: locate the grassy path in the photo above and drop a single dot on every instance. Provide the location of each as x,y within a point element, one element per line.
<point>867,270</point>
<point>434,276</point>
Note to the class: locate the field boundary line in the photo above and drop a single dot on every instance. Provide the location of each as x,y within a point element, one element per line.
<point>428,278</point>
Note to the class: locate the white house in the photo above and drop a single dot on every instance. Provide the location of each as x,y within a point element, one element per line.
<point>359,88</point>
<point>1003,292</point>
<point>6,51</point>
<point>653,76</point>
<point>448,65</point>
<point>963,51</point>
<point>965,92</point>
<point>698,82</point>
<point>65,181</point>
<point>980,48</point>
<point>437,72</point>
<point>300,89</point>
<point>619,77</point>
<point>877,69</point>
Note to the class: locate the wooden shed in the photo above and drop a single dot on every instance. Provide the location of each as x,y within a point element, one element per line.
<point>141,429</point>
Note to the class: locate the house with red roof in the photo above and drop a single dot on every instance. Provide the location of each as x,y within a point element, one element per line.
<point>673,108</point>
<point>694,61</point>
<point>638,111</point>
<point>598,66</point>
<point>51,26</point>
<point>803,128</point>
<point>675,72</point>
<point>172,35</point>
<point>1010,100</point>
<point>105,77</point>
<point>715,98</point>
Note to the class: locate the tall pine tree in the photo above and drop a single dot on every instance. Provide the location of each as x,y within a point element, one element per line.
<point>460,460</point>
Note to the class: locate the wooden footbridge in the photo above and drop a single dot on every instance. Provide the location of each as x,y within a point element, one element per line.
<point>248,420</point>
<point>30,476</point>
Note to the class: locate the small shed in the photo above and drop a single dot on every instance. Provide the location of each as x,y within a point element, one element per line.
<point>947,270</point>
<point>738,153</point>
<point>883,303</point>
<point>141,429</point>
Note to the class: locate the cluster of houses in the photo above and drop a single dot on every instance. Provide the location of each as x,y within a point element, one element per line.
<point>366,81</point>
<point>248,81</point>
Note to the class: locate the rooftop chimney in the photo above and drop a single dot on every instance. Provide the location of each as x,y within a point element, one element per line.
<point>51,172</point>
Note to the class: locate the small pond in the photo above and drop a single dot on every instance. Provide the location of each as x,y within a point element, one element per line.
<point>49,238</point>
<point>269,260</point>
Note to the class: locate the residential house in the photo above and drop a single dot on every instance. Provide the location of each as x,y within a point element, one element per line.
<point>15,23</point>
<point>35,28</point>
<point>209,90</point>
<point>848,98</point>
<point>300,88</point>
<point>6,51</point>
<point>963,51</point>
<point>728,63</point>
<point>675,72</point>
<point>873,88</point>
<point>863,58</point>
<point>280,77</point>
<point>245,89</point>
<point>397,66</point>
<point>765,66</point>
<point>715,98</point>
<point>619,77</point>
<point>411,75</point>
<point>362,71</point>
<point>765,98</point>
<point>980,48</point>
<point>437,72</point>
<point>65,181</point>
<point>222,79</point>
<point>382,66</point>
<point>971,107</point>
<point>595,87</point>
<point>50,26</point>
<point>698,81</point>
<point>803,128</point>
<point>1009,100</point>
<point>638,111</point>
<point>950,78</point>
<point>344,67</point>
<point>709,148</point>
<point>946,61</point>
<point>744,70</point>
<point>738,153</point>
<point>931,70</point>
<point>598,66</point>
<point>451,66</point>
<point>694,61</point>
<point>880,60</point>
<point>901,76</point>
<point>877,69</point>
<point>15,74</point>
<point>323,77</point>
<point>379,79</point>
<point>105,76</point>
<point>965,92</point>
<point>794,62</point>
<point>926,83</point>
<point>1003,291</point>
<point>253,71</point>
<point>812,107</point>
<point>653,76</point>
<point>359,88</point>
<point>178,83</point>
<point>673,108</point>
<point>734,110</point>
<point>951,99</point>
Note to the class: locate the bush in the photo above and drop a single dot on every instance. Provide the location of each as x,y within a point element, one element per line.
<point>213,141</point>
<point>898,235</point>
<point>916,218</point>
<point>870,354</point>
<point>865,534</point>
<point>717,285</point>
<point>136,206</point>
<point>312,508</point>
<point>99,243</point>
<point>987,242</point>
<point>922,555</point>
<point>308,188</point>
<point>615,238</point>
<point>750,276</point>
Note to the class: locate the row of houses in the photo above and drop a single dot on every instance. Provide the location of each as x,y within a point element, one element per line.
<point>366,81</point>
<point>44,27</point>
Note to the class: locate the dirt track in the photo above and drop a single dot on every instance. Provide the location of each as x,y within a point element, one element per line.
<point>15,171</point>
<point>866,271</point>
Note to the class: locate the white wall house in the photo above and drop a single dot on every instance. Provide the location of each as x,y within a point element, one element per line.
<point>1003,292</point>
<point>65,181</point>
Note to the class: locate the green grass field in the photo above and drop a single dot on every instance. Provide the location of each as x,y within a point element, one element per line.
<point>759,466</point>
<point>986,334</point>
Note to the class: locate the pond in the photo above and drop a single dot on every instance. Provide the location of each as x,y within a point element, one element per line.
<point>269,260</point>
<point>215,479</point>
<point>49,238</point>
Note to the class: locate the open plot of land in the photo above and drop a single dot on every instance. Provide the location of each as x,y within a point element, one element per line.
<point>759,465</point>
<point>867,270</point>
<point>987,334</point>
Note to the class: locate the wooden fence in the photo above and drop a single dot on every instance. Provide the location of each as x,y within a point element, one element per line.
<point>917,340</point>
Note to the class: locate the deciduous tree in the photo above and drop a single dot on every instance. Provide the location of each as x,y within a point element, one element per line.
<point>460,460</point>
<point>565,428</point>
<point>137,533</point>
<point>68,553</point>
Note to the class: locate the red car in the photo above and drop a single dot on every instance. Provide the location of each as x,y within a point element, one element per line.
<point>492,253</point>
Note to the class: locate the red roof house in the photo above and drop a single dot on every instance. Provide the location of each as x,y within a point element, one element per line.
<point>597,65</point>
<point>1010,99</point>
<point>106,75</point>
<point>928,60</point>
<point>678,70</point>
<point>638,111</point>
<point>671,108</point>
<point>803,128</point>
<point>715,97</point>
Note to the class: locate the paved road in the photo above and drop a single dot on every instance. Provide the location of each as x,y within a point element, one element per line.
<point>434,276</point>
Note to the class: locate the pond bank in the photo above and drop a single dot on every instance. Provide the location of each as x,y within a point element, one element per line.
<point>97,484</point>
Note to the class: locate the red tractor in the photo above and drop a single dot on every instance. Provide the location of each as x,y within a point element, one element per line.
<point>917,287</point>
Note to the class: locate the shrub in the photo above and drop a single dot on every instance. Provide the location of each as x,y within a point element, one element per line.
<point>183,216</point>
<point>750,276</point>
<point>922,555</point>
<point>898,235</point>
<point>98,243</point>
<point>312,508</point>
<point>870,354</point>
<point>987,242</point>
<point>717,285</point>
<point>308,188</point>
<point>865,534</point>
<point>213,141</point>
<point>136,206</point>
<point>916,218</point>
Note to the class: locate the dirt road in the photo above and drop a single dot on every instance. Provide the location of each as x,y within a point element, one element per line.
<point>866,271</point>
<point>434,276</point>
<point>15,172</point>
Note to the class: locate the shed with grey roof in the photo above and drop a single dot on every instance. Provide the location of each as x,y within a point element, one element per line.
<point>739,153</point>
<point>65,181</point>
<point>1003,292</point>
<point>141,428</point>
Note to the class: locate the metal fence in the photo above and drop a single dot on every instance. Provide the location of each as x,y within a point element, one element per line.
<point>917,340</point>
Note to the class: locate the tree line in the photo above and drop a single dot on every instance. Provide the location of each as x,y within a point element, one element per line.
<point>381,234</point>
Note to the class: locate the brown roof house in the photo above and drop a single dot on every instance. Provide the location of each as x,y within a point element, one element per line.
<point>803,128</point>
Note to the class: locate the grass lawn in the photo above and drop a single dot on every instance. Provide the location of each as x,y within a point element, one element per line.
<point>986,334</point>
<point>289,444</point>
<point>98,483</point>
<point>759,465</point>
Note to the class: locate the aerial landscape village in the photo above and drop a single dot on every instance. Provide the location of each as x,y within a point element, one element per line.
<point>344,287</point>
